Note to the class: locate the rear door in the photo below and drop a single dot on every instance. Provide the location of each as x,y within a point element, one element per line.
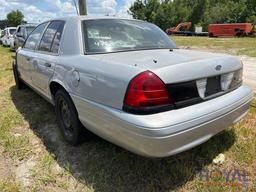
<point>25,56</point>
<point>47,56</point>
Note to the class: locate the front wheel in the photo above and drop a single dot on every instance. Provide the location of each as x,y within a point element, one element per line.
<point>67,118</point>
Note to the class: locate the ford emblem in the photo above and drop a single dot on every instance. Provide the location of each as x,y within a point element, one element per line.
<point>218,67</point>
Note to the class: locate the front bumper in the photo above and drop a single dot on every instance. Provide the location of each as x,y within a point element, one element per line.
<point>167,133</point>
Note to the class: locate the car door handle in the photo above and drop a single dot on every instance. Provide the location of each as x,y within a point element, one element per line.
<point>28,59</point>
<point>47,65</point>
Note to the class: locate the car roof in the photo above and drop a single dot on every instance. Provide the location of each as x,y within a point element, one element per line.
<point>89,18</point>
<point>9,28</point>
<point>28,25</point>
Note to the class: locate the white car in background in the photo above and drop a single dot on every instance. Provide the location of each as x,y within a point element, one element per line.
<point>12,44</point>
<point>7,34</point>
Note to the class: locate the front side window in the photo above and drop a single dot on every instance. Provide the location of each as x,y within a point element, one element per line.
<point>34,38</point>
<point>49,37</point>
<point>111,35</point>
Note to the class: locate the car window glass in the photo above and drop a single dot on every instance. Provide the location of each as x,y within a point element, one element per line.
<point>110,35</point>
<point>23,31</point>
<point>11,31</point>
<point>49,35</point>
<point>56,41</point>
<point>34,37</point>
<point>29,29</point>
<point>18,30</point>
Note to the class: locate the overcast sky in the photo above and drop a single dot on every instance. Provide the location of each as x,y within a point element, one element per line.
<point>40,10</point>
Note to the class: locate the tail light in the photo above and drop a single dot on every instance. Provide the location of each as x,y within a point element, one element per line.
<point>147,93</point>
<point>237,79</point>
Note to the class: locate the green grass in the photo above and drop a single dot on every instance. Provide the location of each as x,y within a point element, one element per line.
<point>32,147</point>
<point>235,46</point>
<point>8,186</point>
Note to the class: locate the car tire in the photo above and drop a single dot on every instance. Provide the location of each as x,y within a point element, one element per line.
<point>19,83</point>
<point>67,119</point>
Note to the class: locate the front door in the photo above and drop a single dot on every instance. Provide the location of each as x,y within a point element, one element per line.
<point>27,53</point>
<point>25,66</point>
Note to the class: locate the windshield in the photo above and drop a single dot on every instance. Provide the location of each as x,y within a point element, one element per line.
<point>29,29</point>
<point>111,35</point>
<point>12,31</point>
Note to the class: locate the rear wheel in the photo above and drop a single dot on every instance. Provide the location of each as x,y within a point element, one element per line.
<point>210,34</point>
<point>19,83</point>
<point>67,118</point>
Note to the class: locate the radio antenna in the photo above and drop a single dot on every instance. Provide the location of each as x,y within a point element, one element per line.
<point>76,7</point>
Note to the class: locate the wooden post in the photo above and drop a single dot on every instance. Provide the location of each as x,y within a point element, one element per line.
<point>82,7</point>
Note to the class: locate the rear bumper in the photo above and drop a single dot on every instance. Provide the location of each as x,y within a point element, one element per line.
<point>166,133</point>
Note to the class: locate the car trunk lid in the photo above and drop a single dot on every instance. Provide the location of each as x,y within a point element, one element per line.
<point>190,76</point>
<point>178,65</point>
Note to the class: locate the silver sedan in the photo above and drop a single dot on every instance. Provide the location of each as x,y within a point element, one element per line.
<point>126,81</point>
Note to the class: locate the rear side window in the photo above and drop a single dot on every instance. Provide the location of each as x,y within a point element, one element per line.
<point>35,36</point>
<point>51,38</point>
<point>56,41</point>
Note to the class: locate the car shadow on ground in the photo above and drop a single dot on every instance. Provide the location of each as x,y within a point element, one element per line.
<point>106,167</point>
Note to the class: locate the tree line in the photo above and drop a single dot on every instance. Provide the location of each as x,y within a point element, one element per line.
<point>168,13</point>
<point>13,19</point>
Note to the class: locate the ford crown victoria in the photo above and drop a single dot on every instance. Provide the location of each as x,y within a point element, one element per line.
<point>126,81</point>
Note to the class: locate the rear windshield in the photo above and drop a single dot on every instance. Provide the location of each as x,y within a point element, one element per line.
<point>30,29</point>
<point>12,31</point>
<point>112,35</point>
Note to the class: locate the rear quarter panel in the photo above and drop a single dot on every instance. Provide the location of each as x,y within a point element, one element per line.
<point>99,81</point>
